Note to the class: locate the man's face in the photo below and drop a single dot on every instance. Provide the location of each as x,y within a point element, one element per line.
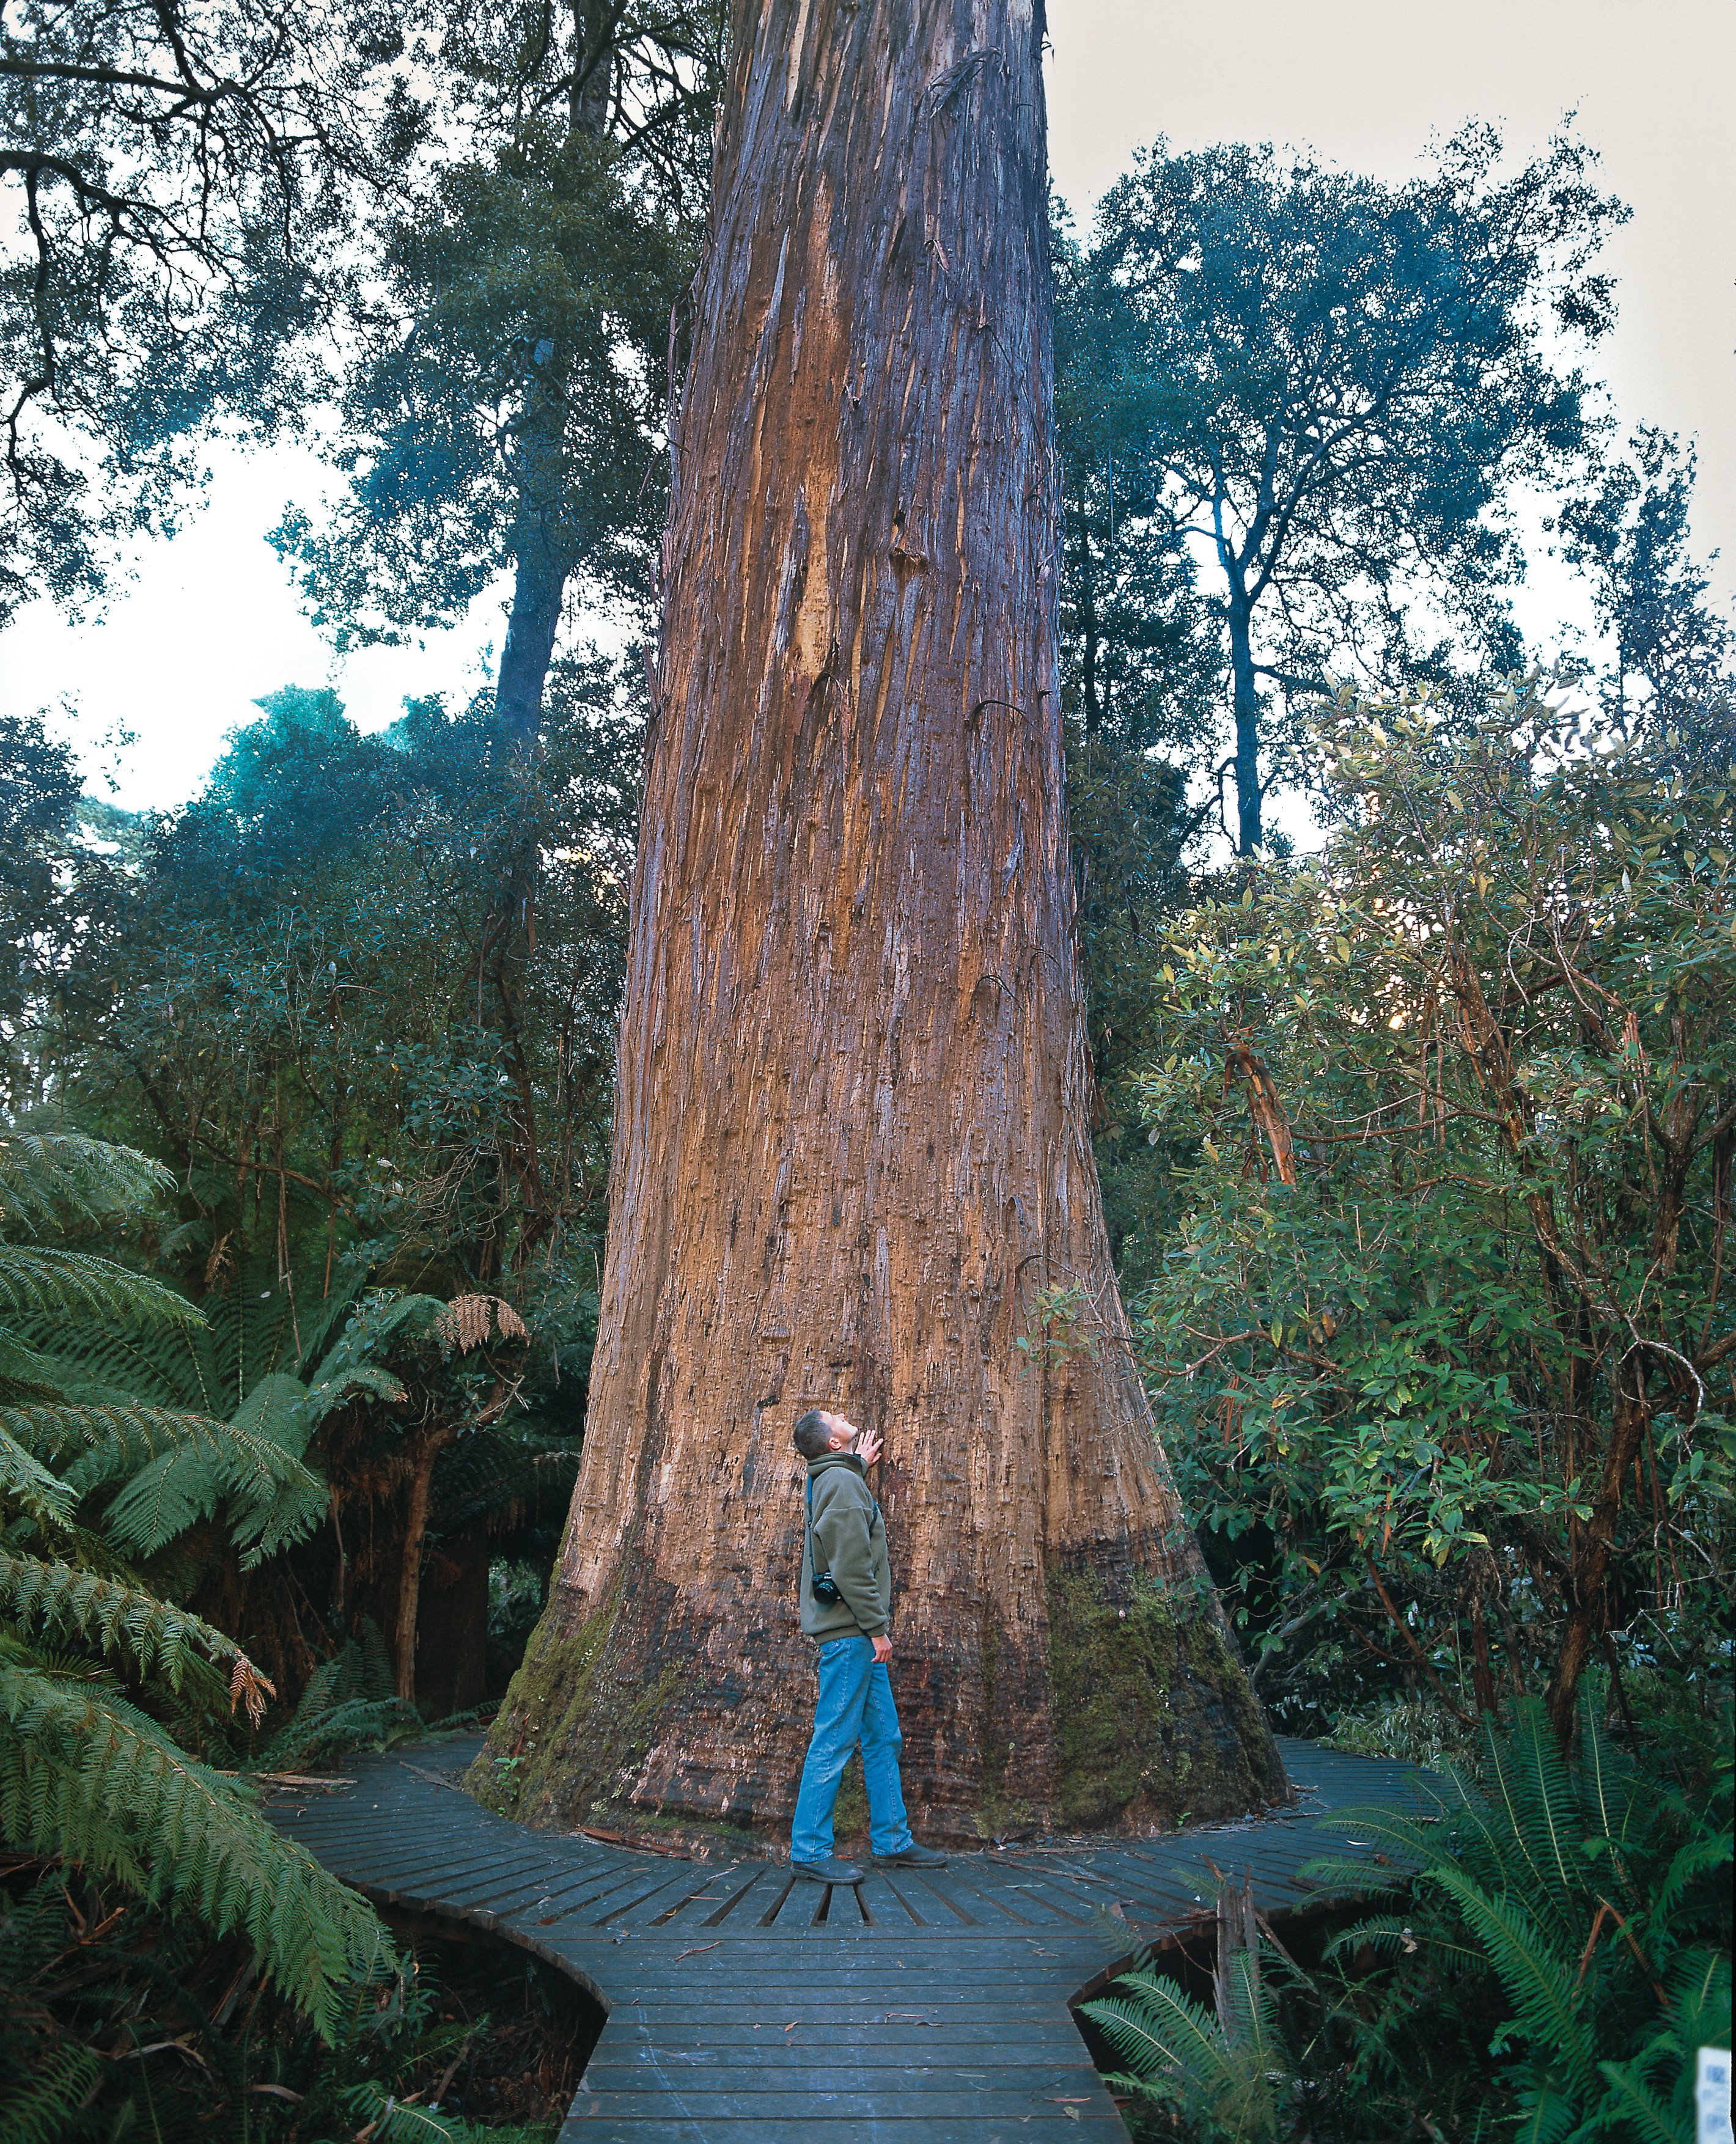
<point>841,1432</point>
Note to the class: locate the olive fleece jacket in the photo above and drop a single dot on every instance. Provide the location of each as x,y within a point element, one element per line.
<point>847,1537</point>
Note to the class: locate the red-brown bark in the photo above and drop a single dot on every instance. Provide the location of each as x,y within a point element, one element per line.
<point>852,1164</point>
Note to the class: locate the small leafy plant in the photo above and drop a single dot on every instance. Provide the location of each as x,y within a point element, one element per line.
<point>1558,1950</point>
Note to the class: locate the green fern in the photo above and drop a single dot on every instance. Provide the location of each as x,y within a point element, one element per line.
<point>180,1465</point>
<point>85,1774</point>
<point>350,1698</point>
<point>89,1476</point>
<point>1575,1887</point>
<point>42,2111</point>
<point>1654,2092</point>
<point>35,1282</point>
<point>150,1636</point>
<point>48,1179</point>
<point>23,1478</point>
<point>1218,2075</point>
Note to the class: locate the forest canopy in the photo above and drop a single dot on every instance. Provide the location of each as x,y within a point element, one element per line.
<point>1409,948</point>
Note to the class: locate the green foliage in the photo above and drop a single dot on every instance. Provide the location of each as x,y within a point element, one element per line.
<point>86,1774</point>
<point>545,247</point>
<point>288,995</point>
<point>172,176</point>
<point>350,1699</point>
<point>1442,1347</point>
<point>1674,653</point>
<point>288,1001</point>
<point>1325,390</point>
<point>1218,2076</point>
<point>503,401</point>
<point>92,1658</point>
<point>1558,1950</point>
<point>116,2020</point>
<point>1595,1895</point>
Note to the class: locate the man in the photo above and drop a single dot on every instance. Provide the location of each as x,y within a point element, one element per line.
<point>847,1610</point>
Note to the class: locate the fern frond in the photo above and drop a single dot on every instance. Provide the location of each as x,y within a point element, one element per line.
<point>49,1177</point>
<point>346,1368</point>
<point>252,1329</point>
<point>385,2119</point>
<point>358,1721</point>
<point>277,1498</point>
<point>1650,2122</point>
<point>1533,1787</point>
<point>1548,2117</point>
<point>347,1699</point>
<point>165,1366</point>
<point>41,2111</point>
<point>153,1636</point>
<point>1699,1856</point>
<point>25,1373</point>
<point>112,1436</point>
<point>1539,1981</point>
<point>89,1776</point>
<point>1393,1933</point>
<point>43,1283</point>
<point>30,1485</point>
<point>465,1321</point>
<point>324,1319</point>
<point>1156,2031</point>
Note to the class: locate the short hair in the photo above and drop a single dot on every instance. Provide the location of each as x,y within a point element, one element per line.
<point>812,1435</point>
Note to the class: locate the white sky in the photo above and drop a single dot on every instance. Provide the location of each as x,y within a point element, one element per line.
<point>209,622</point>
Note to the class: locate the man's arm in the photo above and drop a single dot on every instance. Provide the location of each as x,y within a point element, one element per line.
<point>842,1546</point>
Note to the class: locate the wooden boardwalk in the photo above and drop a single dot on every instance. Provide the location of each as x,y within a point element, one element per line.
<point>745,2008</point>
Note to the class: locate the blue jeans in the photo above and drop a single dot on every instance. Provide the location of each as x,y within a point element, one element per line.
<point>855,1705</point>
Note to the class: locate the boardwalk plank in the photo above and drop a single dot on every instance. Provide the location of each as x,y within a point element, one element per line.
<point>669,2125</point>
<point>749,2008</point>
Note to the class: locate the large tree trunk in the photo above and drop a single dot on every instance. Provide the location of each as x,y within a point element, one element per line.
<point>852,1164</point>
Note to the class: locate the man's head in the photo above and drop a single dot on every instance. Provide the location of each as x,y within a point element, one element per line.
<point>817,1432</point>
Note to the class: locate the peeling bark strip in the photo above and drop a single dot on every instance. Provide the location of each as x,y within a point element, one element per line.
<point>852,1154</point>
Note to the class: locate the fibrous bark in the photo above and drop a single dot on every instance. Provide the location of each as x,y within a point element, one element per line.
<point>851,1162</point>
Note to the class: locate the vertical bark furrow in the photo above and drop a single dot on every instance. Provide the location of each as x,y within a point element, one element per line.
<point>852,1162</point>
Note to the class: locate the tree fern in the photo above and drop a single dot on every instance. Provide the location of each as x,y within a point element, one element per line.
<point>89,1476</point>
<point>38,1282</point>
<point>149,1636</point>
<point>86,1774</point>
<point>179,1465</point>
<point>47,1178</point>
<point>253,1462</point>
<point>29,1484</point>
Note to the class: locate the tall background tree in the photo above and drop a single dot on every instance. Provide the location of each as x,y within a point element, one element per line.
<point>182,177</point>
<point>503,413</point>
<point>852,1159</point>
<point>1328,390</point>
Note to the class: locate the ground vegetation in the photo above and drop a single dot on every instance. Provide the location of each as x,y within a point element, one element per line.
<point>1556,1954</point>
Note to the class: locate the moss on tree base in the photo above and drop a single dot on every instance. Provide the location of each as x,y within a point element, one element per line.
<point>1152,1720</point>
<point>571,1730</point>
<point>1155,1723</point>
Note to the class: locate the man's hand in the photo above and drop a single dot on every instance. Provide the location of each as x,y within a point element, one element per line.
<point>883,1649</point>
<point>868,1445</point>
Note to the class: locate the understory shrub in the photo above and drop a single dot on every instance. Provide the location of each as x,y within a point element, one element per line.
<point>1557,1949</point>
